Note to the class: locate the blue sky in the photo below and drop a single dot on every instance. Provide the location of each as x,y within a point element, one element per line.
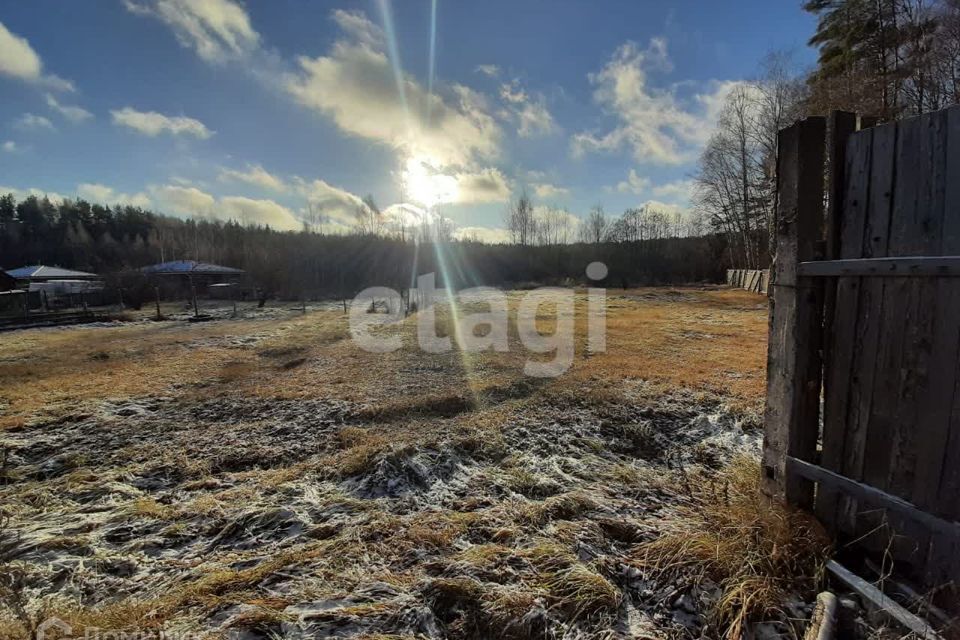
<point>270,111</point>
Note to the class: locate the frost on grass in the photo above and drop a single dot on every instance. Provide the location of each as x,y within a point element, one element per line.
<point>348,496</point>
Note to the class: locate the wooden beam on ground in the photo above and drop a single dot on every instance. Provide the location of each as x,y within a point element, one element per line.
<point>939,266</point>
<point>792,414</point>
<point>878,599</point>
<point>872,495</point>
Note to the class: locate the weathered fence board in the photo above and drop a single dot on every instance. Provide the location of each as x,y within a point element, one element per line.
<point>890,338</point>
<point>750,279</point>
<point>796,310</point>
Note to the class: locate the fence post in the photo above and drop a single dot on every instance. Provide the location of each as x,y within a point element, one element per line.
<point>791,418</point>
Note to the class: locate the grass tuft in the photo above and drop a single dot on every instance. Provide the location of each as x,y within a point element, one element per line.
<point>757,549</point>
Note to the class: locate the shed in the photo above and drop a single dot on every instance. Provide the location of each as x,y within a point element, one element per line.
<point>43,273</point>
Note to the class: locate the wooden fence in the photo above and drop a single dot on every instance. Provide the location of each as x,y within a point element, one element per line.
<point>749,279</point>
<point>865,310</point>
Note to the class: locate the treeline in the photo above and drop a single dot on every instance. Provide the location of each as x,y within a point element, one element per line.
<point>887,59</point>
<point>116,241</point>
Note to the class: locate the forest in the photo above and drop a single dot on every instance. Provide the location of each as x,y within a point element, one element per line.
<point>290,264</point>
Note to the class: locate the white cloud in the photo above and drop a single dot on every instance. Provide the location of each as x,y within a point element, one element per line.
<point>17,57</point>
<point>9,146</point>
<point>488,235</point>
<point>254,175</point>
<point>183,201</point>
<point>355,86</point>
<point>19,60</point>
<point>546,191</point>
<point>671,210</point>
<point>356,25</point>
<point>489,70</point>
<point>530,113</point>
<point>33,122</point>
<point>192,202</point>
<point>634,183</point>
<point>655,124</point>
<point>22,194</point>
<point>151,123</point>
<point>102,194</point>
<point>677,191</point>
<point>70,112</point>
<point>331,204</point>
<point>259,212</point>
<point>486,185</point>
<point>218,30</point>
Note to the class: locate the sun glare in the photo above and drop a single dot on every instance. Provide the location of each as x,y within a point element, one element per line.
<point>425,186</point>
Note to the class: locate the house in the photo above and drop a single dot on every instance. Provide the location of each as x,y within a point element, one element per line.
<point>43,273</point>
<point>56,287</point>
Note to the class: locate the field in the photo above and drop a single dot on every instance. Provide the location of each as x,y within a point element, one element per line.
<point>264,474</point>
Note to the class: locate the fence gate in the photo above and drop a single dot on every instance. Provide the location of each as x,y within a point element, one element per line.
<point>865,307</point>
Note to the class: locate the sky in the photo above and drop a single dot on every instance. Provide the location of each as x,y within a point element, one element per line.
<point>272,112</point>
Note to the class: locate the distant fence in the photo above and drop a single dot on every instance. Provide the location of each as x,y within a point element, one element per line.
<point>866,307</point>
<point>749,279</point>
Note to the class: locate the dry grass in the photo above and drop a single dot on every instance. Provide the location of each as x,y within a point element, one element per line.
<point>713,340</point>
<point>756,549</point>
<point>511,546</point>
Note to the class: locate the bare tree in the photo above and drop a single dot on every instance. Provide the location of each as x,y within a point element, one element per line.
<point>369,219</point>
<point>594,229</point>
<point>520,220</point>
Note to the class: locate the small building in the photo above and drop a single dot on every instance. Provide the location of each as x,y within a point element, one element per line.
<point>43,273</point>
<point>56,287</point>
<point>183,276</point>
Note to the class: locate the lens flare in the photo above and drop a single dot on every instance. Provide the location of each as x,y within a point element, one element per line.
<point>425,185</point>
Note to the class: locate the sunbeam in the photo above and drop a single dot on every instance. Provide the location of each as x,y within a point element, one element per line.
<point>433,56</point>
<point>386,14</point>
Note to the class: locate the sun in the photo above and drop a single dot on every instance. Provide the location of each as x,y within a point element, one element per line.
<point>425,185</point>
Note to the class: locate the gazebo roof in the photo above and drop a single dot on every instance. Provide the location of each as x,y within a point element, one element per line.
<point>190,267</point>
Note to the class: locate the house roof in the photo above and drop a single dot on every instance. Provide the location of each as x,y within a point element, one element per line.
<point>188,267</point>
<point>42,271</point>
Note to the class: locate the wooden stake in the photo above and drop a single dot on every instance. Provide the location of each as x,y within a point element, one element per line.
<point>823,622</point>
<point>791,418</point>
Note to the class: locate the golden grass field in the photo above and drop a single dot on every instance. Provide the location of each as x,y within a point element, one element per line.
<point>265,474</point>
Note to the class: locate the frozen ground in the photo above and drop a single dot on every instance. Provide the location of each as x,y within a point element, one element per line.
<point>263,476</point>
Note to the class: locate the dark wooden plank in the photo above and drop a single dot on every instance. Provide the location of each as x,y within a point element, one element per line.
<point>794,362</point>
<point>875,497</point>
<point>897,291</point>
<point>877,530</point>
<point>850,221</point>
<point>842,126</point>
<point>886,606</point>
<point>930,266</point>
<point>913,419</point>
<point>869,240</point>
<point>937,485</point>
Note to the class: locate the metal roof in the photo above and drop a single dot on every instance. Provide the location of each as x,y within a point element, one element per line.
<point>188,267</point>
<point>43,271</point>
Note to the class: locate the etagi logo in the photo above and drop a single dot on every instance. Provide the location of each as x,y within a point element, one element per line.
<point>54,629</point>
<point>488,330</point>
